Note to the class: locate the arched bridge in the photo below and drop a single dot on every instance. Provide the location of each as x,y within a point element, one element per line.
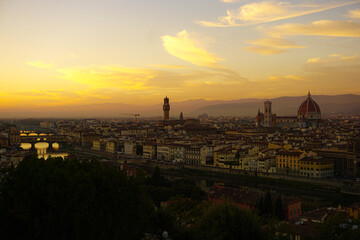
<point>43,138</point>
<point>34,134</point>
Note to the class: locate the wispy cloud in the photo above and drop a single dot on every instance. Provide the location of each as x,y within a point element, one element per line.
<point>41,64</point>
<point>112,75</point>
<point>285,78</point>
<point>189,49</point>
<point>167,66</point>
<point>231,1</point>
<point>184,47</point>
<point>317,28</point>
<point>267,11</point>
<point>354,14</point>
<point>271,45</point>
<point>334,63</point>
<point>264,50</point>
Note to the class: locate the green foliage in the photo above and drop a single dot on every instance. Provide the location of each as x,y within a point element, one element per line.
<point>160,189</point>
<point>157,179</point>
<point>279,209</point>
<point>67,199</point>
<point>187,211</point>
<point>284,231</point>
<point>265,206</point>
<point>164,220</point>
<point>339,228</point>
<point>227,221</point>
<point>268,207</point>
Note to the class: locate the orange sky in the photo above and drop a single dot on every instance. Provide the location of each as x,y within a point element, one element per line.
<point>134,52</point>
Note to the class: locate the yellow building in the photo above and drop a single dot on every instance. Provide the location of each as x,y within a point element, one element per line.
<point>288,162</point>
<point>225,157</point>
<point>97,145</point>
<point>354,211</point>
<point>87,139</point>
<point>149,151</point>
<point>111,146</point>
<point>316,167</point>
<point>278,146</point>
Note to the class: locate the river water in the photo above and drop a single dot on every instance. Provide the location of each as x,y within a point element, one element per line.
<point>42,149</point>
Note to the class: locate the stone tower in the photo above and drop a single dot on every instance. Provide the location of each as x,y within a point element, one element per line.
<point>267,114</point>
<point>166,108</point>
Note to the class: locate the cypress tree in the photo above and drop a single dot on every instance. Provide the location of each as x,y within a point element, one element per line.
<point>268,208</point>
<point>279,211</point>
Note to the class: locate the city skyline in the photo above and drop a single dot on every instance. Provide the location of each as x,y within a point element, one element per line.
<point>93,52</point>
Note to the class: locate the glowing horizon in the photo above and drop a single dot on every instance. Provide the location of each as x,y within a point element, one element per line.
<point>59,53</point>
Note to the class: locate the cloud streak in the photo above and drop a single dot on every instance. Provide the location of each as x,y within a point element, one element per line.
<point>187,49</point>
<point>41,64</point>
<point>112,75</point>
<point>270,46</point>
<point>317,28</point>
<point>355,14</point>
<point>334,63</point>
<point>184,47</point>
<point>267,11</point>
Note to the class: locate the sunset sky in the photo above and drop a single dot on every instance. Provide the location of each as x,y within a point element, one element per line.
<point>60,52</point>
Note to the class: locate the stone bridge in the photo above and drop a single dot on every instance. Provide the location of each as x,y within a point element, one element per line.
<point>44,138</point>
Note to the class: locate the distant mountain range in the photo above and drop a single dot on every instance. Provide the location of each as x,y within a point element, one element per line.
<point>288,106</point>
<point>282,106</point>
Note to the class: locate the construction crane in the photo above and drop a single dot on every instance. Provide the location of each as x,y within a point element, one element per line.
<point>136,115</point>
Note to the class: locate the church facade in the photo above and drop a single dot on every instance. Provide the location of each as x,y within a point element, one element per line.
<point>309,115</point>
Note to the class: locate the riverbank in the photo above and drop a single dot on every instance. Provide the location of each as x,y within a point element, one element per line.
<point>314,192</point>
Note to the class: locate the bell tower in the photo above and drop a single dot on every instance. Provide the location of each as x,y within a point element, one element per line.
<point>267,114</point>
<point>166,108</point>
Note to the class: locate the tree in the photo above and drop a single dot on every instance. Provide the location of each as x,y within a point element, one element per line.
<point>68,199</point>
<point>338,227</point>
<point>227,221</point>
<point>157,179</point>
<point>268,207</point>
<point>279,209</point>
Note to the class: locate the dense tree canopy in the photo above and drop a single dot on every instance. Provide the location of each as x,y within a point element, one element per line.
<point>338,228</point>
<point>227,221</point>
<point>68,199</point>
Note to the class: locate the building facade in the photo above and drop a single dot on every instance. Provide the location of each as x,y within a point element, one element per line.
<point>166,108</point>
<point>309,115</point>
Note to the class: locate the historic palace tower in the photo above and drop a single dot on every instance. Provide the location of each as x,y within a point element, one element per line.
<point>267,114</point>
<point>166,108</point>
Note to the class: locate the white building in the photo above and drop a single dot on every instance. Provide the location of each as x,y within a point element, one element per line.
<point>163,152</point>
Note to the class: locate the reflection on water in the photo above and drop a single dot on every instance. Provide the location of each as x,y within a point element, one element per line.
<point>25,146</point>
<point>41,146</point>
<point>41,149</point>
<point>45,156</point>
<point>55,146</point>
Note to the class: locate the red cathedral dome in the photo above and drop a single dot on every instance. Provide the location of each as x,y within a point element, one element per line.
<point>309,109</point>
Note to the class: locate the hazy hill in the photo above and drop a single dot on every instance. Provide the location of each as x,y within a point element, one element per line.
<point>286,106</point>
<point>241,107</point>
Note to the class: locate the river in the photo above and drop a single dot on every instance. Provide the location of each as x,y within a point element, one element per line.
<point>42,149</point>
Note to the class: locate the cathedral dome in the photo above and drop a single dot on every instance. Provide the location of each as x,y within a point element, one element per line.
<point>309,109</point>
